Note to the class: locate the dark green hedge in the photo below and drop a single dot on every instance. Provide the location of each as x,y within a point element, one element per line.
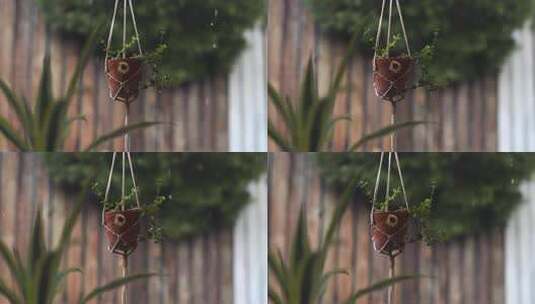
<point>206,191</point>
<point>196,48</point>
<point>474,36</point>
<point>474,192</point>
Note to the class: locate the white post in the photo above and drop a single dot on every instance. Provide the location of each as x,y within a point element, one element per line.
<point>516,133</point>
<point>247,86</point>
<point>250,249</point>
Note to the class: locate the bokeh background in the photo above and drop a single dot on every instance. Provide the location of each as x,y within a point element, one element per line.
<point>485,259</point>
<point>218,263</point>
<point>486,106</point>
<point>217,100</point>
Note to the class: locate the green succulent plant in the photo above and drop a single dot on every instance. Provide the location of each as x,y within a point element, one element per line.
<point>40,278</point>
<point>47,125</point>
<point>302,278</point>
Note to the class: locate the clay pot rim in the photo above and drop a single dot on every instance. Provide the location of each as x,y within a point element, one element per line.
<point>137,57</point>
<point>136,209</point>
<point>391,211</point>
<point>402,56</point>
<point>402,210</point>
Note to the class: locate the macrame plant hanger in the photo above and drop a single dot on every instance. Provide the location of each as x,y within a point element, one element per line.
<point>124,73</point>
<point>122,219</point>
<point>388,238</point>
<point>391,75</point>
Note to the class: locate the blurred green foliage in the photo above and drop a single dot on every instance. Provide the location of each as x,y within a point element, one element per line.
<point>474,37</point>
<point>205,191</point>
<point>471,192</point>
<point>203,37</point>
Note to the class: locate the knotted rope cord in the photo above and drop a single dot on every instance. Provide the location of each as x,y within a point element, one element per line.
<point>378,37</point>
<point>126,153</point>
<point>389,27</point>
<point>392,137</point>
<point>126,4</point>
<point>403,28</point>
<point>374,200</point>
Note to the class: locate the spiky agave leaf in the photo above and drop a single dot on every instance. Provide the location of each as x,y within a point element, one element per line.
<point>44,94</point>
<point>386,131</point>
<point>114,285</point>
<point>120,132</point>
<point>379,286</point>
<point>11,135</point>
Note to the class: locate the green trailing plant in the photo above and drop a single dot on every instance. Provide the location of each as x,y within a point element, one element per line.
<point>420,214</point>
<point>467,48</point>
<point>309,122</point>
<point>150,209</point>
<point>204,192</point>
<point>302,278</point>
<point>40,278</point>
<point>470,192</point>
<point>47,125</point>
<point>204,38</point>
<point>424,59</point>
<point>152,60</point>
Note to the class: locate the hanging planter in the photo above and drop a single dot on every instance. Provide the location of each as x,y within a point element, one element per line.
<point>392,76</point>
<point>389,221</point>
<point>389,231</point>
<point>125,76</point>
<point>124,71</point>
<point>122,230</point>
<point>392,73</point>
<point>122,218</point>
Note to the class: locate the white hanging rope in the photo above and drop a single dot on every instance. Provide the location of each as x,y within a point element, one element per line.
<point>133,179</point>
<point>124,29</point>
<point>108,184</point>
<point>110,35</point>
<point>403,28</point>
<point>389,27</point>
<point>127,7</point>
<point>378,180</point>
<point>378,38</point>
<point>123,182</point>
<point>388,178</point>
<point>135,28</point>
<point>401,181</point>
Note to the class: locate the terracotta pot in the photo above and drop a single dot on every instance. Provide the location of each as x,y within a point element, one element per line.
<point>124,78</point>
<point>122,230</point>
<point>389,231</point>
<point>391,76</point>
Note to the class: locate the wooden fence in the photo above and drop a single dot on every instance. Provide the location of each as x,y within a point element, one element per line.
<point>199,111</point>
<point>465,114</point>
<point>470,270</point>
<point>199,271</point>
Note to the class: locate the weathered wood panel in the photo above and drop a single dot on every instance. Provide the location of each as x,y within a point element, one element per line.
<point>196,271</point>
<point>470,270</point>
<point>196,115</point>
<point>465,114</point>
